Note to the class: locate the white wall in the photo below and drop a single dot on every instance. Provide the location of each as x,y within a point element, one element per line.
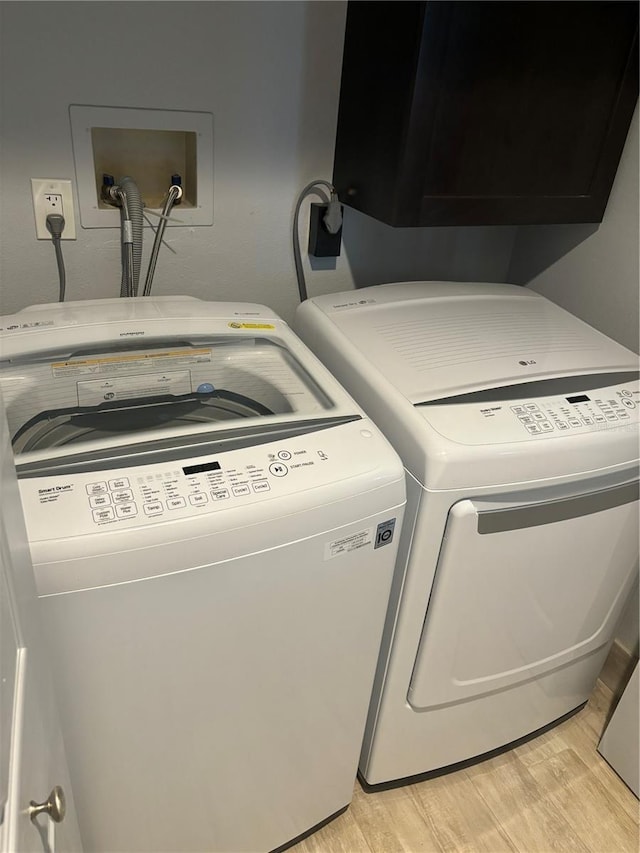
<point>592,271</point>
<point>270,74</point>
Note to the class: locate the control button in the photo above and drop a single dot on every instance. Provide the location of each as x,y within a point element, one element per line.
<point>220,494</point>
<point>575,422</point>
<point>531,407</point>
<point>105,514</point>
<point>176,503</point>
<point>623,415</point>
<point>519,410</point>
<point>587,420</point>
<point>284,454</point>
<point>611,416</point>
<point>153,508</point>
<point>628,403</point>
<point>599,419</point>
<point>626,393</point>
<point>99,500</point>
<point>539,416</point>
<point>122,483</point>
<point>261,486</point>
<point>123,496</point>
<point>126,510</point>
<point>278,469</point>
<point>545,426</point>
<point>239,491</point>
<point>562,425</point>
<point>534,429</point>
<point>198,499</point>
<point>96,488</point>
<point>526,419</point>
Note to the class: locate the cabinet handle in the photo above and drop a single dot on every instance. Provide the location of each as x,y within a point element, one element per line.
<point>55,806</point>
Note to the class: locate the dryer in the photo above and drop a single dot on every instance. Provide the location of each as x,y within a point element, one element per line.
<point>212,522</point>
<point>518,427</point>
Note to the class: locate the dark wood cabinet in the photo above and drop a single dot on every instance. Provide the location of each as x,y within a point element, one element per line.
<point>479,113</point>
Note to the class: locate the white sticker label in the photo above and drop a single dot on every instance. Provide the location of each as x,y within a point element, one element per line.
<point>348,543</point>
<point>36,324</point>
<point>96,391</point>
<point>359,303</point>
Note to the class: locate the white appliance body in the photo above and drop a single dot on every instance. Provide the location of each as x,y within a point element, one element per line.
<point>518,428</point>
<point>214,596</point>
<point>620,743</point>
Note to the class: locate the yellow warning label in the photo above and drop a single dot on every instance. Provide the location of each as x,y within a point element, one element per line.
<point>251,326</point>
<point>119,363</point>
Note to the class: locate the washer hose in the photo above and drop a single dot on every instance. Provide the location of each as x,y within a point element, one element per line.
<point>174,195</point>
<point>133,208</point>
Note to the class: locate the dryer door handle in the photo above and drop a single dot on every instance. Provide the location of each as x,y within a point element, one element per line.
<point>536,514</point>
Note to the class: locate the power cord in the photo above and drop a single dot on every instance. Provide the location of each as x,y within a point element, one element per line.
<point>332,220</point>
<point>55,227</point>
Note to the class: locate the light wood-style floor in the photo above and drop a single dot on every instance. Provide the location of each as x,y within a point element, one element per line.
<point>554,793</point>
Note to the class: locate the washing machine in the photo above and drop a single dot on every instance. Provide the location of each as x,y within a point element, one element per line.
<point>518,428</point>
<point>213,524</point>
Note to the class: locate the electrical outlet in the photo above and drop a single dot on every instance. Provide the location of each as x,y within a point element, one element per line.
<point>51,195</point>
<point>53,203</point>
<point>322,244</point>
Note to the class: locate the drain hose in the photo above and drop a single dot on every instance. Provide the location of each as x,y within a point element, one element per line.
<point>135,207</point>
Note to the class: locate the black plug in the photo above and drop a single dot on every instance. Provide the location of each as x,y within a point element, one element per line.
<point>55,225</point>
<point>322,243</point>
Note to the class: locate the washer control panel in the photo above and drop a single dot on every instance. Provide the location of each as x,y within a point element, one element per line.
<point>195,485</point>
<point>79,503</point>
<point>537,418</point>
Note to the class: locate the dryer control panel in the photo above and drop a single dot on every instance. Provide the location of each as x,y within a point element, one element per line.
<point>576,411</point>
<point>617,406</point>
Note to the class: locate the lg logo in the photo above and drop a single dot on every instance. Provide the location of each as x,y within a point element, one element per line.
<point>384,533</point>
<point>525,363</point>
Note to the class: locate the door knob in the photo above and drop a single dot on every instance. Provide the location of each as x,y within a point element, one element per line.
<point>55,806</point>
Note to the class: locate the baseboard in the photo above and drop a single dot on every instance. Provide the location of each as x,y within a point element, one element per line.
<point>617,669</point>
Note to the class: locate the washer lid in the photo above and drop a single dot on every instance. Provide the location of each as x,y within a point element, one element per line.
<point>77,424</point>
<point>157,390</point>
<point>431,340</point>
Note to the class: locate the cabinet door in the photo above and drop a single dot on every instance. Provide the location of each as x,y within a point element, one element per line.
<point>469,113</point>
<point>32,756</point>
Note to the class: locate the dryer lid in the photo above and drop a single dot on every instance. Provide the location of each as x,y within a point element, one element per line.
<point>431,340</point>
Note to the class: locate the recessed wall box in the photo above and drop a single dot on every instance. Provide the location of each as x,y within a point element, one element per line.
<point>148,146</point>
